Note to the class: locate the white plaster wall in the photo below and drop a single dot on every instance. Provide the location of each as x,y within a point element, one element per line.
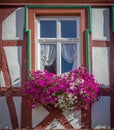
<point>38,115</point>
<point>2,82</point>
<point>74,118</point>
<point>5,121</point>
<point>55,125</point>
<point>18,107</point>
<point>101,64</point>
<point>13,25</point>
<point>101,70</point>
<point>101,113</point>
<point>100,24</point>
<point>14,60</point>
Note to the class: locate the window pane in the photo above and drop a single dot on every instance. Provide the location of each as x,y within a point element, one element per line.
<point>48,28</point>
<point>68,57</point>
<point>68,29</point>
<point>48,57</point>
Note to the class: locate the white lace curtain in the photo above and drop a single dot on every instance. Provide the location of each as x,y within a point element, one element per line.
<point>48,54</point>
<point>69,53</point>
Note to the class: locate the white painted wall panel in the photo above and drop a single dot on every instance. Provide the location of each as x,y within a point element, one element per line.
<point>100,24</point>
<point>101,113</point>
<point>74,118</point>
<point>13,25</point>
<point>18,107</point>
<point>101,64</point>
<point>2,82</point>
<point>5,121</point>
<point>38,115</point>
<point>14,59</point>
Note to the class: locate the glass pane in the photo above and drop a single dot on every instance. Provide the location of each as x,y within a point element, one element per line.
<point>48,57</point>
<point>68,29</point>
<point>48,28</point>
<point>68,57</point>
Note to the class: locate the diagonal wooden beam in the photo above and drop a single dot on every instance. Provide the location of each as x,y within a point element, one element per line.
<point>9,100</point>
<point>54,114</point>
<point>12,112</point>
<point>4,13</point>
<point>5,69</point>
<point>3,60</point>
<point>8,91</point>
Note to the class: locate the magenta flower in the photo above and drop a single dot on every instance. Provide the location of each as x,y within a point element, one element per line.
<point>74,90</point>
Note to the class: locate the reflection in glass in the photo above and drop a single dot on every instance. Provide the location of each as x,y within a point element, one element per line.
<point>47,28</point>
<point>68,29</point>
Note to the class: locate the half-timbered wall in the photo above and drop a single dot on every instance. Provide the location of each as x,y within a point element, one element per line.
<point>12,63</point>
<point>14,69</point>
<point>101,65</point>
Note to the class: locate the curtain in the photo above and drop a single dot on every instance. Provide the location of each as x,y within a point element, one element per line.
<point>69,53</point>
<point>48,55</point>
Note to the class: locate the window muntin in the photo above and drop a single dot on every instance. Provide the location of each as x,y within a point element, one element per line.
<point>64,37</point>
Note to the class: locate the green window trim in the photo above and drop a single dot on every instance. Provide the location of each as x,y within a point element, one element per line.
<point>88,50</point>
<point>112,16</point>
<point>28,31</point>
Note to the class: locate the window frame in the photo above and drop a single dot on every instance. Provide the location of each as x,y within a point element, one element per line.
<point>58,40</point>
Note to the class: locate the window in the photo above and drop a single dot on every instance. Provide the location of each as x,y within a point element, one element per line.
<point>58,43</point>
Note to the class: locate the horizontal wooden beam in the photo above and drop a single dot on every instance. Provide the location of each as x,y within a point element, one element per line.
<point>99,43</point>
<point>11,91</point>
<point>58,1</point>
<point>106,92</point>
<point>11,42</point>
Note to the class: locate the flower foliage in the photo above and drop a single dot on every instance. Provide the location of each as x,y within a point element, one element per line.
<point>70,91</point>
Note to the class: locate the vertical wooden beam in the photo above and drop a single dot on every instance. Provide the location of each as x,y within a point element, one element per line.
<point>112,65</point>
<point>26,121</point>
<point>86,115</point>
<point>28,32</point>
<point>112,112</point>
<point>86,119</point>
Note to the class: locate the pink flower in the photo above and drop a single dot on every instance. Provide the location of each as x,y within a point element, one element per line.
<point>75,90</point>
